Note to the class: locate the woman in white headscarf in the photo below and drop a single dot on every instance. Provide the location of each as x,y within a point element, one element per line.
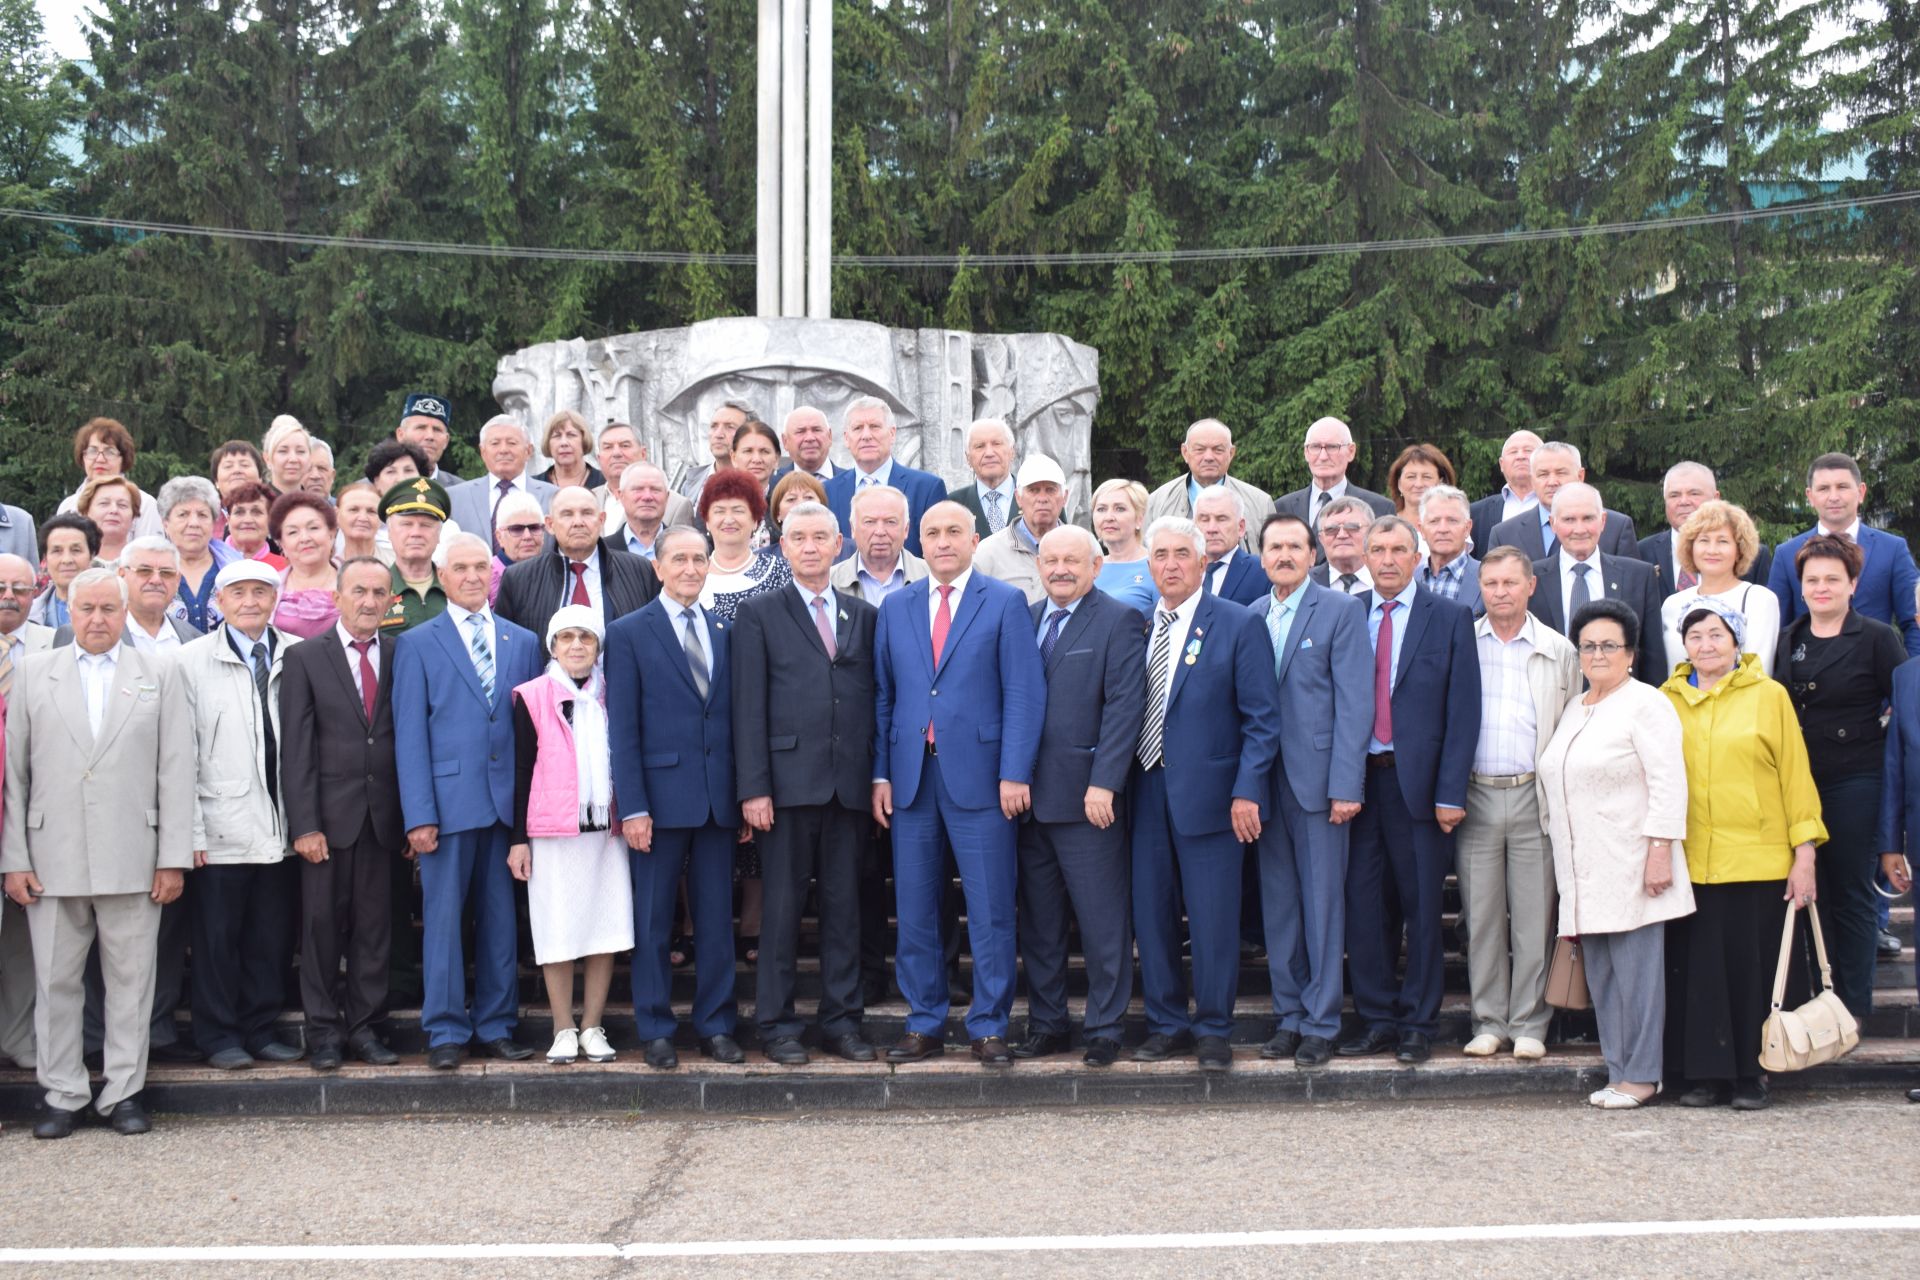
<point>566,844</point>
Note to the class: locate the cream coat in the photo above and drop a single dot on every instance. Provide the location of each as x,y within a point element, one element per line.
<point>234,818</point>
<point>1613,777</point>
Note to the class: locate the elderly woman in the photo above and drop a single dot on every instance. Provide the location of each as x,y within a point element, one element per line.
<point>1119,514</point>
<point>520,527</point>
<point>1838,667</point>
<point>1717,544</point>
<point>289,452</point>
<point>794,488</point>
<point>568,441</point>
<point>103,448</point>
<point>113,504</point>
<point>1615,789</point>
<point>567,845</point>
<point>357,508</point>
<point>68,544</point>
<point>231,465</point>
<point>189,509</point>
<point>733,510</point>
<point>248,507</point>
<point>304,525</point>
<point>1753,819</point>
<point>391,461</point>
<point>1418,468</point>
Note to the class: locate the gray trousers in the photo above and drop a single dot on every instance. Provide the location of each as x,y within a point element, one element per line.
<point>1505,866</point>
<point>1627,978</point>
<point>169,978</point>
<point>64,929</point>
<point>16,985</point>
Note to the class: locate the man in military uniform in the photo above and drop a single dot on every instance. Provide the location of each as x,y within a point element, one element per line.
<point>414,511</point>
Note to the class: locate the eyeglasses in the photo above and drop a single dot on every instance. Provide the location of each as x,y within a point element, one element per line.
<point>1327,448</point>
<point>24,592</point>
<point>99,452</point>
<point>1601,648</point>
<point>1340,530</point>
<point>147,573</point>
<point>521,530</point>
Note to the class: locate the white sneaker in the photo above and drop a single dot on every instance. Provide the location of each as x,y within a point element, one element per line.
<point>1611,1099</point>
<point>1528,1049</point>
<point>593,1044</point>
<point>566,1046</point>
<point>1483,1046</point>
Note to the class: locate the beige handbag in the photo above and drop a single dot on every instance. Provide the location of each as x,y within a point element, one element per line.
<point>1567,976</point>
<point>1820,1030</point>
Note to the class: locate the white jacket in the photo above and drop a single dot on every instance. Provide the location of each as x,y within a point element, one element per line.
<point>235,820</point>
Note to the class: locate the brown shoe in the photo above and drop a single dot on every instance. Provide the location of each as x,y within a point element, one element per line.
<point>992,1051</point>
<point>914,1047</point>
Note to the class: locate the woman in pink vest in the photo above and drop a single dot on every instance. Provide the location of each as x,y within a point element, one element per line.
<point>565,845</point>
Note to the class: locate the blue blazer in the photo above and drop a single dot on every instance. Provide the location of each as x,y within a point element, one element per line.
<point>1223,718</point>
<point>1436,703</point>
<point>986,700</point>
<point>1900,777</point>
<point>1885,590</point>
<point>1096,693</point>
<point>1326,697</point>
<point>923,490</point>
<point>1246,580</point>
<point>453,747</point>
<point>672,753</point>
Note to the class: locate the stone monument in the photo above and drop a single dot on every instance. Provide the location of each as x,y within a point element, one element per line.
<point>667,382</point>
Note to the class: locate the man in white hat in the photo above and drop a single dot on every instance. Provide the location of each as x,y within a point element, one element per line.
<point>1012,555</point>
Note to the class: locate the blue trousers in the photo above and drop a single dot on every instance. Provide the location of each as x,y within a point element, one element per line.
<point>1206,870</point>
<point>1403,857</point>
<point>1303,888</point>
<point>983,848</point>
<point>469,871</point>
<point>707,855</point>
<point>1081,864</point>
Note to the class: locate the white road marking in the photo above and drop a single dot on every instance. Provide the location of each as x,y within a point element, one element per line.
<point>963,1244</point>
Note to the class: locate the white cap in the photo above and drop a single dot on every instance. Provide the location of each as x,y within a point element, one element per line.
<point>1038,468</point>
<point>247,571</point>
<point>576,617</point>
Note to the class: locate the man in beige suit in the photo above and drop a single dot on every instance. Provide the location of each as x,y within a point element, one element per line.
<point>18,638</point>
<point>99,828</point>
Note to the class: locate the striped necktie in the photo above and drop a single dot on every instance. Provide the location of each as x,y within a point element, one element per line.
<point>482,649</point>
<point>1152,729</point>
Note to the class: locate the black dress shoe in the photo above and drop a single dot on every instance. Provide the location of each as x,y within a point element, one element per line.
<point>1751,1095</point>
<point>1705,1095</point>
<point>1104,1051</point>
<point>661,1055</point>
<point>1215,1053</point>
<point>1040,1044</point>
<point>1314,1051</point>
<point>276,1051</point>
<point>507,1049</point>
<point>128,1118</point>
<point>1282,1045</point>
<point>373,1053</point>
<point>1376,1040</point>
<point>326,1057</point>
<point>992,1051</point>
<point>176,1052</point>
<point>853,1047</point>
<point>57,1123</point>
<point>786,1051</point>
<point>1158,1048</point>
<point>446,1057</point>
<point>1415,1046</point>
<point>1887,945</point>
<point>722,1049</point>
<point>914,1047</point>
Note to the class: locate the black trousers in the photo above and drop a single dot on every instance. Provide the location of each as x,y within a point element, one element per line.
<point>1845,867</point>
<point>1720,965</point>
<point>824,844</point>
<point>169,978</point>
<point>1076,863</point>
<point>346,911</point>
<point>239,953</point>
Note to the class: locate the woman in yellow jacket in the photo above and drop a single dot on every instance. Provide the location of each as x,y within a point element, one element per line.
<point>1753,818</point>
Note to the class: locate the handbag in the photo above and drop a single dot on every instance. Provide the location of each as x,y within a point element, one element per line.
<point>1567,976</point>
<point>1820,1030</point>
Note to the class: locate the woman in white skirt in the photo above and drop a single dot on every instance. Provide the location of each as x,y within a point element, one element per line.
<point>565,844</point>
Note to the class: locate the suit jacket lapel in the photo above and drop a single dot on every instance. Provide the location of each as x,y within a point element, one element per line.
<point>129,672</point>
<point>70,696</point>
<point>337,662</point>
<point>455,643</point>
<point>1202,623</point>
<point>799,612</point>
<point>969,609</point>
<point>1077,622</point>
<point>1416,624</point>
<point>843,624</point>
<point>1302,620</point>
<point>669,639</point>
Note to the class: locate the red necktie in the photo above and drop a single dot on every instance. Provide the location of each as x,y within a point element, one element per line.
<point>369,683</point>
<point>579,568</point>
<point>1383,676</point>
<point>942,621</point>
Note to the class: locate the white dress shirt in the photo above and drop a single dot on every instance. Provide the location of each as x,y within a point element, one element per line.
<point>1596,581</point>
<point>96,682</point>
<point>1851,531</point>
<point>1217,571</point>
<point>676,614</point>
<point>1176,642</point>
<point>1512,504</point>
<point>1362,581</point>
<point>954,597</point>
<point>465,632</point>
<point>166,639</point>
<point>353,657</point>
<point>592,579</point>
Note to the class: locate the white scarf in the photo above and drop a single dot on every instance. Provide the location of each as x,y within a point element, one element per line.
<point>592,760</point>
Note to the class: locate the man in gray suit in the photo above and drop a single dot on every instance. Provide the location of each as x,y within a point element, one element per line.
<point>99,830</point>
<point>506,449</point>
<point>18,638</point>
<point>1324,664</point>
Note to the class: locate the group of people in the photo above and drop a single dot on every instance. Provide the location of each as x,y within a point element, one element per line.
<point>1190,725</point>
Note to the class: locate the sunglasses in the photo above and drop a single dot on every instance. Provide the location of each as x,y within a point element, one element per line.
<point>522,530</point>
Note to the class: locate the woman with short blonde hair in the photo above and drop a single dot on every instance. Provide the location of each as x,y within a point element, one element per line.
<point>1716,545</point>
<point>1119,514</point>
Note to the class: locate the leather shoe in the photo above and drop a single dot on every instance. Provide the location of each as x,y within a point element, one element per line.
<point>661,1055</point>
<point>275,1051</point>
<point>914,1047</point>
<point>786,1051</point>
<point>1751,1095</point>
<point>1314,1051</point>
<point>507,1049</point>
<point>1157,1048</point>
<point>853,1047</point>
<point>326,1057</point>
<point>1376,1040</point>
<point>57,1123</point>
<point>445,1057</point>
<point>1215,1053</point>
<point>373,1053</point>
<point>1282,1045</point>
<point>1040,1044</point>
<point>232,1058</point>
<point>722,1049</point>
<point>1913,1095</point>
<point>1104,1051</point>
<point>1887,945</point>
<point>1415,1046</point>
<point>177,1052</point>
<point>1704,1095</point>
<point>992,1051</point>
<point>128,1118</point>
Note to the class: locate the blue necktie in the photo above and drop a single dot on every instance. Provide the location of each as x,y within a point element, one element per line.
<point>482,653</point>
<point>1053,635</point>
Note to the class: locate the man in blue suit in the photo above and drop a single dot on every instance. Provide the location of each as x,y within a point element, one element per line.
<point>960,699</point>
<point>869,433</point>
<point>1885,590</point>
<point>670,712</point>
<point>1426,720</point>
<point>1233,573</point>
<point>1323,666</point>
<point>453,681</point>
<point>1199,793</point>
<point>1073,846</point>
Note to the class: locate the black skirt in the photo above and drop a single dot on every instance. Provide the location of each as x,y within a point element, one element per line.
<point>1720,965</point>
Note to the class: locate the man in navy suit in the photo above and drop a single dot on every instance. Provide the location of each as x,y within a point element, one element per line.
<point>1554,464</point>
<point>1515,496</point>
<point>1885,589</point>
<point>453,681</point>
<point>1686,487</point>
<point>960,699</point>
<point>670,708</point>
<point>1233,572</point>
<point>1426,720</point>
<point>1323,666</point>
<point>1199,793</point>
<point>1073,846</point>
<point>869,432</point>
